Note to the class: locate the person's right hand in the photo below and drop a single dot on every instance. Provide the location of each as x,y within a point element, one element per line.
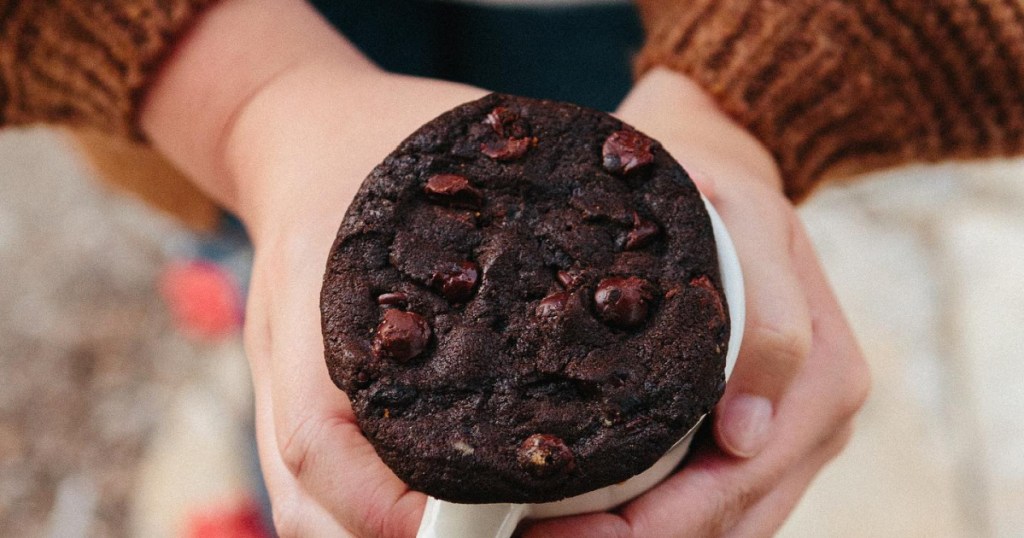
<point>302,157</point>
<point>800,377</point>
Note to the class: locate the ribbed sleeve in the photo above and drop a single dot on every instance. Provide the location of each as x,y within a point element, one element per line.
<point>84,62</point>
<point>836,87</point>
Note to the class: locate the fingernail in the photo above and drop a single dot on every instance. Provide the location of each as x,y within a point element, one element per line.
<point>745,425</point>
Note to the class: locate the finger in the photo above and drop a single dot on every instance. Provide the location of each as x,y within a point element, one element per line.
<point>765,515</point>
<point>751,510</point>
<point>602,525</point>
<point>714,490</point>
<point>771,512</point>
<point>295,513</point>
<point>739,178</point>
<point>838,365</point>
<point>777,335</point>
<point>837,373</point>
<point>314,428</point>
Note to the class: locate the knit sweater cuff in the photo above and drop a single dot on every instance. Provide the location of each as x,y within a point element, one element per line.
<point>834,87</point>
<point>85,63</point>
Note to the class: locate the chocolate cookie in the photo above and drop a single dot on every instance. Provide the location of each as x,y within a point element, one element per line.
<point>523,303</point>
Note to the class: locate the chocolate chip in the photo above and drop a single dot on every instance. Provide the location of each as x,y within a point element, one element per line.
<point>569,279</point>
<point>397,299</point>
<point>499,118</point>
<point>456,283</point>
<point>507,149</point>
<point>624,302</point>
<point>551,305</point>
<point>643,232</point>
<point>453,190</point>
<point>710,297</point>
<point>544,455</point>
<point>401,336</point>
<point>625,151</point>
<point>506,123</point>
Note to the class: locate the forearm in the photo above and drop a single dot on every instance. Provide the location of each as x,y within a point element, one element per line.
<point>255,81</point>
<point>235,50</point>
<point>84,63</point>
<point>719,152</point>
<point>836,87</point>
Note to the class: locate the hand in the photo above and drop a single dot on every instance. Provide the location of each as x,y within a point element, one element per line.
<point>323,475</point>
<point>800,377</point>
<point>285,138</point>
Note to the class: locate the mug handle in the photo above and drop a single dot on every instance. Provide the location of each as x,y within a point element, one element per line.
<point>450,520</point>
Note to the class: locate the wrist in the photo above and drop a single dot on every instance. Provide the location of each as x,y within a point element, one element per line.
<point>330,128</point>
<point>711,146</point>
<point>235,49</point>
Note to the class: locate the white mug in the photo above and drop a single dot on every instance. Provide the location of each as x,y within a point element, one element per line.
<point>443,519</point>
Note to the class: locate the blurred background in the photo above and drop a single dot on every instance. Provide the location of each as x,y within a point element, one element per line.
<point>125,408</point>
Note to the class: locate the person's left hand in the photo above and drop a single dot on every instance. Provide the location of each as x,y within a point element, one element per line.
<point>800,377</point>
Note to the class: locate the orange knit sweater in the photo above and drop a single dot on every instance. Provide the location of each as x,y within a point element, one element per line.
<point>831,87</point>
<point>839,87</point>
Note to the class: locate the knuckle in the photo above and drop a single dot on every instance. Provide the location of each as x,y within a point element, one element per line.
<point>728,501</point>
<point>833,445</point>
<point>784,342</point>
<point>729,505</point>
